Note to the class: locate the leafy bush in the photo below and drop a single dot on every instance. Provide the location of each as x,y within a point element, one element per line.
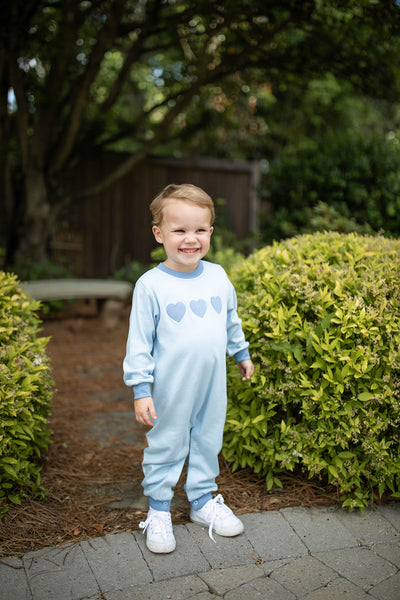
<point>29,270</point>
<point>358,178</point>
<point>323,217</point>
<point>25,394</point>
<point>130,272</point>
<point>222,253</point>
<point>322,315</point>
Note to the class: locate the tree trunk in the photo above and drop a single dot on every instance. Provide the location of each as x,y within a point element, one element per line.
<point>35,228</point>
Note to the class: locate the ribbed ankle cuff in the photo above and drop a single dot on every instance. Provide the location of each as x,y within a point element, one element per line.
<point>200,502</point>
<point>163,505</point>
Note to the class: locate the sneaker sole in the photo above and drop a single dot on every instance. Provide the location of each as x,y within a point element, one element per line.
<point>160,548</point>
<point>232,532</point>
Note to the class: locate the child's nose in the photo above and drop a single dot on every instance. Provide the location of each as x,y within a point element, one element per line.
<point>190,236</point>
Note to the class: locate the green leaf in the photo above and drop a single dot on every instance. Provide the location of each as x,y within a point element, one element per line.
<point>270,480</point>
<point>365,396</point>
<point>14,499</point>
<point>326,320</point>
<point>332,470</point>
<point>258,419</point>
<point>10,470</point>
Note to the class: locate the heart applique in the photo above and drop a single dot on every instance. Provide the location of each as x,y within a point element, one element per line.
<point>176,311</point>
<point>199,307</point>
<point>216,303</point>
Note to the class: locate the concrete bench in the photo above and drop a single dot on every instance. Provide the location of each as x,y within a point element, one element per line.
<point>111,295</point>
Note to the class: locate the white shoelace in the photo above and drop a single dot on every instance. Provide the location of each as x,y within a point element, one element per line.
<point>161,524</point>
<point>213,513</point>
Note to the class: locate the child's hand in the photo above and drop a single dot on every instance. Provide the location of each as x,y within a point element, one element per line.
<point>144,409</point>
<point>246,368</point>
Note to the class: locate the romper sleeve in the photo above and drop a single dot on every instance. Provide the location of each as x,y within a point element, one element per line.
<point>237,345</point>
<point>138,365</point>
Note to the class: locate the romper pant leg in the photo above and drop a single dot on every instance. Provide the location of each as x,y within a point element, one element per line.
<point>204,447</point>
<point>168,448</point>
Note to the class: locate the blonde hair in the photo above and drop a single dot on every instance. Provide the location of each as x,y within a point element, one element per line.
<point>186,192</point>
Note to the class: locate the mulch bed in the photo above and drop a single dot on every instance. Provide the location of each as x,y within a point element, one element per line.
<point>87,359</point>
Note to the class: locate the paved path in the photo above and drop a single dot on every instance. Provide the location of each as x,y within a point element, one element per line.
<point>293,553</point>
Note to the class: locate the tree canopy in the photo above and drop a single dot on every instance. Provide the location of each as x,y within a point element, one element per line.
<point>81,76</point>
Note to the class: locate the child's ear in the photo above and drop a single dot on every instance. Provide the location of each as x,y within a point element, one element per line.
<point>211,230</point>
<point>157,234</point>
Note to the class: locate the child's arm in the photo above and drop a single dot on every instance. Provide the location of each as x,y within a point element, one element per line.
<point>138,364</point>
<point>246,368</point>
<point>144,409</point>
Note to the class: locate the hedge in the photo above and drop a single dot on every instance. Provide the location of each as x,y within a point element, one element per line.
<point>25,395</point>
<point>322,315</point>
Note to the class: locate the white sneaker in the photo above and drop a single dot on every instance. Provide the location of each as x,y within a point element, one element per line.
<point>160,536</point>
<point>218,517</point>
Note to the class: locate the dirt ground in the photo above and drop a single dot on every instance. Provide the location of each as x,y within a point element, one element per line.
<point>84,458</point>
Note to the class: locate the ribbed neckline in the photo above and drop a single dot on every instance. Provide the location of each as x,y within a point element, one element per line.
<point>183,274</point>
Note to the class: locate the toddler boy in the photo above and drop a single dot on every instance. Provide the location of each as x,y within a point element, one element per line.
<point>183,322</point>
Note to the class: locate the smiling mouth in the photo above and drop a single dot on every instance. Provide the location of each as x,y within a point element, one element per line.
<point>189,250</point>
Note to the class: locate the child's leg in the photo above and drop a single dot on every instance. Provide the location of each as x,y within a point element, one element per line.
<point>163,460</point>
<point>165,455</point>
<point>203,468</point>
<point>161,473</point>
<point>204,447</point>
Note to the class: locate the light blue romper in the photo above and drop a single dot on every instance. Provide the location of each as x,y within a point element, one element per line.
<point>181,327</point>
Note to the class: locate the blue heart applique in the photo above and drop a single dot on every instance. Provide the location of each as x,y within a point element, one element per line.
<point>199,307</point>
<point>176,311</point>
<point>216,303</point>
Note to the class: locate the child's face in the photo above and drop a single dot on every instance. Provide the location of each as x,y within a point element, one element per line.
<point>185,233</point>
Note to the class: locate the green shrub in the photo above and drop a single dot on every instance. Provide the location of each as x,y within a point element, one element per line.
<point>25,394</point>
<point>224,253</point>
<point>30,270</point>
<point>130,272</point>
<point>356,176</point>
<point>323,217</point>
<point>27,269</point>
<point>322,315</point>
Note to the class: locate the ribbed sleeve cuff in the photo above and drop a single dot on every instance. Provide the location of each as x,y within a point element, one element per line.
<point>141,390</point>
<point>242,355</point>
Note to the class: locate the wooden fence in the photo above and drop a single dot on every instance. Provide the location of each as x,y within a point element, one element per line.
<point>112,228</point>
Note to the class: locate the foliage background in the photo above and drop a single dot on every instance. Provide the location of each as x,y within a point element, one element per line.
<point>241,79</point>
<point>344,182</point>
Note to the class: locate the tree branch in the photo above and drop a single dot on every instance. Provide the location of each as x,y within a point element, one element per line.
<point>128,164</point>
<point>78,102</point>
<point>22,115</point>
<point>131,55</point>
<point>53,100</point>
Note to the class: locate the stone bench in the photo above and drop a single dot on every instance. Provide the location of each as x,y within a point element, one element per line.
<point>110,295</point>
